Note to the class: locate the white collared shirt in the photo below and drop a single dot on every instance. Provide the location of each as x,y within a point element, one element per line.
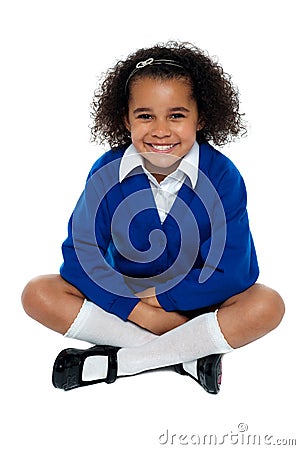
<point>165,192</point>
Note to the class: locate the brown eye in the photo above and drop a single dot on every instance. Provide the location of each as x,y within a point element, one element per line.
<point>144,116</point>
<point>177,116</point>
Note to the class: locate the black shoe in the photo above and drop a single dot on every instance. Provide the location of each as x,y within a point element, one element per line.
<point>209,371</point>
<point>67,369</point>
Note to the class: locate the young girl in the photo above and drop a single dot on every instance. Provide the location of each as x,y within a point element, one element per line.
<point>159,264</point>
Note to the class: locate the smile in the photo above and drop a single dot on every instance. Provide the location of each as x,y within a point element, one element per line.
<point>162,147</point>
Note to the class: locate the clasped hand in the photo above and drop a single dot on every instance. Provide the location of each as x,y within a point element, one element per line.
<point>149,314</point>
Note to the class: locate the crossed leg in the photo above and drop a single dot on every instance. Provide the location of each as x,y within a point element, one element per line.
<point>250,315</point>
<point>243,318</point>
<point>58,305</point>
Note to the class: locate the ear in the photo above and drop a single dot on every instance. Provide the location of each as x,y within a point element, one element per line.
<point>126,123</point>
<point>201,124</point>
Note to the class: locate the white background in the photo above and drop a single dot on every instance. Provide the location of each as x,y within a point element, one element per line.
<point>51,55</point>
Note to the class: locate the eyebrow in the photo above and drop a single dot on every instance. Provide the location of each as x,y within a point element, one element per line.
<point>177,108</point>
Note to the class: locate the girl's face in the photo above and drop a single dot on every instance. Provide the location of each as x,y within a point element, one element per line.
<point>163,120</point>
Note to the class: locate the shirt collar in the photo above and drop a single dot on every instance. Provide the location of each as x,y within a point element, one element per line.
<point>189,163</point>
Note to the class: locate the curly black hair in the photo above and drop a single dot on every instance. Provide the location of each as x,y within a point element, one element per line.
<point>216,96</point>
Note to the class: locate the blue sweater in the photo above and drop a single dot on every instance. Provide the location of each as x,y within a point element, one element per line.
<point>201,255</point>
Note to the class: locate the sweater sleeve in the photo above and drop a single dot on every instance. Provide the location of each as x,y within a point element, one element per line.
<point>237,268</point>
<point>86,251</point>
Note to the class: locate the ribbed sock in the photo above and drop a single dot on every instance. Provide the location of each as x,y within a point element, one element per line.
<point>199,337</point>
<point>96,326</point>
<point>142,350</point>
<point>99,327</point>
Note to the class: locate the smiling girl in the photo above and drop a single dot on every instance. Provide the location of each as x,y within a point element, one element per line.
<point>164,131</point>
<point>160,267</point>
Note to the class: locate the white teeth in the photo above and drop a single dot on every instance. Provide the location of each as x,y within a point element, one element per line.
<point>162,147</point>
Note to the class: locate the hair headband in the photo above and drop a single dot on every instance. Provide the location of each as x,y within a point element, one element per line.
<point>151,62</point>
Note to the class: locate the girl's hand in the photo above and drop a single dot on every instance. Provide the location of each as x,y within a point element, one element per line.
<point>148,296</point>
<point>155,318</point>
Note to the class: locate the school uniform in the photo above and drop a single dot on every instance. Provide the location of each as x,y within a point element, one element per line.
<point>188,236</point>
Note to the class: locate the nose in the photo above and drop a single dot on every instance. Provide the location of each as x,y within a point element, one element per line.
<point>161,129</point>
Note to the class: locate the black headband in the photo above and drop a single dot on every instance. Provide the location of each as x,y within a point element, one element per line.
<point>151,62</point>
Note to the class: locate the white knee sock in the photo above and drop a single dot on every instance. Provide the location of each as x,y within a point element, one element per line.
<point>199,337</point>
<point>143,350</point>
<point>96,326</point>
<point>99,327</point>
